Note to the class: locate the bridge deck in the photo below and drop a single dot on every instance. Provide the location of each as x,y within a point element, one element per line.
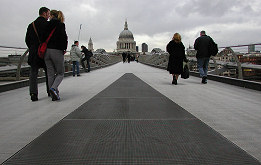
<point>232,111</point>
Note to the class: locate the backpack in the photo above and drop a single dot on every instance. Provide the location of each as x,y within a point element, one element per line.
<point>90,54</point>
<point>212,48</point>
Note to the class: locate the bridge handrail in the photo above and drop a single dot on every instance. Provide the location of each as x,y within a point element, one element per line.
<point>100,60</point>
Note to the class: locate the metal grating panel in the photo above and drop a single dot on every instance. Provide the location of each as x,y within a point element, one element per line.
<point>131,128</point>
<point>131,142</point>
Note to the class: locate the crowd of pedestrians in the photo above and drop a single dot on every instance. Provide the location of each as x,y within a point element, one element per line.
<point>53,62</point>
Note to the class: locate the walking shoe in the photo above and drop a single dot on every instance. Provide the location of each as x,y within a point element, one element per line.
<point>54,95</point>
<point>204,80</point>
<point>174,81</point>
<point>34,97</point>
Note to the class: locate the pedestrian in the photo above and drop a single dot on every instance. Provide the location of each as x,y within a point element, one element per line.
<point>124,56</point>
<point>203,54</point>
<point>75,54</point>
<point>34,36</point>
<point>87,56</point>
<point>176,51</point>
<point>128,57</point>
<point>54,57</point>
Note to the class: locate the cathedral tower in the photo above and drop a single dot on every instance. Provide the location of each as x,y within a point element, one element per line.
<point>90,45</point>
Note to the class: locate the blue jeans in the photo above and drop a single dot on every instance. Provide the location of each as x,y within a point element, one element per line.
<point>76,63</point>
<point>203,66</point>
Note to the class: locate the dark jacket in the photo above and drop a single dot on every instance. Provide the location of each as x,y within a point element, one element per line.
<point>176,57</point>
<point>59,37</point>
<point>202,45</point>
<point>87,53</point>
<point>32,41</point>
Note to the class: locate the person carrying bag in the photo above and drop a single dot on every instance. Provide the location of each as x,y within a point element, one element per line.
<point>43,46</point>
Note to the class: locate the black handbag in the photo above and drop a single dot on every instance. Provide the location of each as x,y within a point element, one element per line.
<point>185,73</point>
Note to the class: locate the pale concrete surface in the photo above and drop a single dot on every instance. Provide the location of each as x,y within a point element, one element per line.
<point>232,111</point>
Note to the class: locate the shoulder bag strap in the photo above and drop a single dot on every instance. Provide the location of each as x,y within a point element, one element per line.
<point>36,32</point>
<point>47,40</point>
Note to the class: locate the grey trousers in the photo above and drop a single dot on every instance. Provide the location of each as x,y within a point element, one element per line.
<point>54,60</point>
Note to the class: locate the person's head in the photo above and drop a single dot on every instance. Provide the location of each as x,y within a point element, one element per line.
<point>202,33</point>
<point>177,38</point>
<point>76,43</point>
<point>58,15</point>
<point>44,12</point>
<point>83,47</point>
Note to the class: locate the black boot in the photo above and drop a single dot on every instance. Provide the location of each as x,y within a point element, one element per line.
<point>204,80</point>
<point>174,81</point>
<point>34,97</point>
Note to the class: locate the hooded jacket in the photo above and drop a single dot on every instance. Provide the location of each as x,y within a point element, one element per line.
<point>75,53</point>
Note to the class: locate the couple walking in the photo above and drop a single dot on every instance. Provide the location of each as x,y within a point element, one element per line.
<point>53,62</point>
<point>176,51</point>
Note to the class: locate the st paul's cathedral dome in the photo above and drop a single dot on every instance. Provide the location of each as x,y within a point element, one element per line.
<point>126,41</point>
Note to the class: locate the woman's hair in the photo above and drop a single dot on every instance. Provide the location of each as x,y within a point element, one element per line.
<point>57,14</point>
<point>177,38</point>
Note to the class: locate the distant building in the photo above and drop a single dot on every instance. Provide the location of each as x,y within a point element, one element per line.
<point>191,52</point>
<point>144,47</point>
<point>90,45</point>
<point>251,48</point>
<point>253,58</point>
<point>126,41</point>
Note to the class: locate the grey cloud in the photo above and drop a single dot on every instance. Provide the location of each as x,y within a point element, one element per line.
<point>103,20</point>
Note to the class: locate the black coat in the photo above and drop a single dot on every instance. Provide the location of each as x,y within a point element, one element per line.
<point>176,57</point>
<point>32,41</point>
<point>87,53</point>
<point>202,46</point>
<point>59,38</point>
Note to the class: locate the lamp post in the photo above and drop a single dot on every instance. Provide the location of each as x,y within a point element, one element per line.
<point>79,32</point>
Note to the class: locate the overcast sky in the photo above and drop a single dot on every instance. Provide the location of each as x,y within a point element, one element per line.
<point>228,22</point>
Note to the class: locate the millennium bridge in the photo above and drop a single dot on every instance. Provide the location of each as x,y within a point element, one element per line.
<point>130,113</point>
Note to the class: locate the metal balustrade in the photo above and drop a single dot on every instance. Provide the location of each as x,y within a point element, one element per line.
<point>216,66</point>
<point>20,70</point>
<point>14,72</point>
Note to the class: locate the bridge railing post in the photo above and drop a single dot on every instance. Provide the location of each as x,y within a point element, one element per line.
<point>239,68</point>
<point>18,71</point>
<point>215,64</point>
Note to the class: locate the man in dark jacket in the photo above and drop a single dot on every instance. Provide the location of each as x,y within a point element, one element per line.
<point>87,56</point>
<point>32,42</point>
<point>203,55</point>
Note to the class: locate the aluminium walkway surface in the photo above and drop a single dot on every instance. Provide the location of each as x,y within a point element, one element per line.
<point>232,111</point>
